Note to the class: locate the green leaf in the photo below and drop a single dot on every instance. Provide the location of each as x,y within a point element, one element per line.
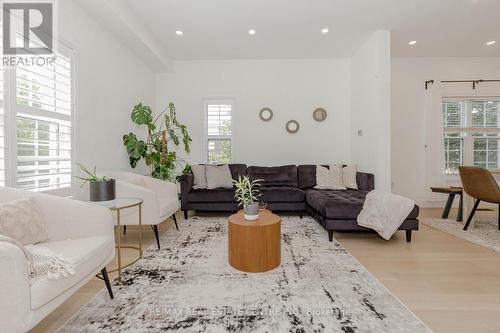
<point>143,115</point>
<point>133,161</point>
<point>174,137</point>
<point>135,148</point>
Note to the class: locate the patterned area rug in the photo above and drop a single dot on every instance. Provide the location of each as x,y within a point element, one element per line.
<point>188,286</point>
<point>485,233</point>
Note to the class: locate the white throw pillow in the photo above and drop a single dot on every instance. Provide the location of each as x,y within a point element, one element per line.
<point>219,176</point>
<point>200,176</point>
<point>23,221</point>
<point>329,179</point>
<point>349,176</point>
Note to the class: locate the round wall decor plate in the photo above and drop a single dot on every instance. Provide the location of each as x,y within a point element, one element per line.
<point>266,114</point>
<point>292,126</point>
<point>319,114</point>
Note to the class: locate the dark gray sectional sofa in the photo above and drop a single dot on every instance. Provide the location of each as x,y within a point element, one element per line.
<point>291,188</point>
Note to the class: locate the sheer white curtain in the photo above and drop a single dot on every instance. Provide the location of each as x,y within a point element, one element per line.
<point>434,143</point>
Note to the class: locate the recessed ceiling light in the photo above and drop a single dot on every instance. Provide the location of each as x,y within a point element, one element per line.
<point>413,42</point>
<point>491,42</point>
<point>179,33</point>
<point>324,30</point>
<point>251,32</point>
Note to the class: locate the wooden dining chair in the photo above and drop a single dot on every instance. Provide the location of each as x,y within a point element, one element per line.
<point>479,184</point>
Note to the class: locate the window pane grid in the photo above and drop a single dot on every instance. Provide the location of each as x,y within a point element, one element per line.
<point>219,151</point>
<point>453,150</point>
<point>218,122</point>
<point>43,160</point>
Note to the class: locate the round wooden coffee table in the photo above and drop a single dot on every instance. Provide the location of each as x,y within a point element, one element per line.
<point>254,246</point>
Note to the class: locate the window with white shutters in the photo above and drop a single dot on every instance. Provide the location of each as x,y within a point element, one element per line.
<point>2,125</point>
<point>43,108</point>
<point>218,119</point>
<point>471,133</point>
<point>36,108</point>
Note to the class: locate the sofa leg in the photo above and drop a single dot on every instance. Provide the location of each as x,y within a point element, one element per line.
<point>408,236</point>
<point>155,230</point>
<point>105,277</point>
<point>185,214</point>
<point>330,235</point>
<point>175,221</point>
<point>301,213</point>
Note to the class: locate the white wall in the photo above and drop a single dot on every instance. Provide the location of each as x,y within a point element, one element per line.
<point>110,80</point>
<point>291,88</point>
<point>371,108</point>
<point>411,159</point>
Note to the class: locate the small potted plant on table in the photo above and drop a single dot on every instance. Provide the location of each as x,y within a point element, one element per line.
<point>101,188</point>
<point>246,194</point>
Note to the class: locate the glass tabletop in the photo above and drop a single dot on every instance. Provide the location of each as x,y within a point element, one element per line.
<point>119,203</point>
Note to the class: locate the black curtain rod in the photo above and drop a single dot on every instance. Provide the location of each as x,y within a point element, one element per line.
<point>474,82</point>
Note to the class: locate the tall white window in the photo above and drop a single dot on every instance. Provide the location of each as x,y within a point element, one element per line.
<point>2,126</point>
<point>36,111</point>
<point>218,129</point>
<point>471,132</point>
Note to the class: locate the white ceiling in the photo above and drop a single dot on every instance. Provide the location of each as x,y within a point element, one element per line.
<point>218,29</point>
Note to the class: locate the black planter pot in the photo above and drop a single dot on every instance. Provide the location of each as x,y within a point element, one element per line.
<point>103,191</point>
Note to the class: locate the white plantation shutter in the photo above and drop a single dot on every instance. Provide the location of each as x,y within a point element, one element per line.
<point>2,125</point>
<point>218,118</point>
<point>43,108</point>
<point>36,109</point>
<point>453,113</point>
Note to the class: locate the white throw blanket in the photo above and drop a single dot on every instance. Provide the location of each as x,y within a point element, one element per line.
<point>384,212</point>
<point>43,263</point>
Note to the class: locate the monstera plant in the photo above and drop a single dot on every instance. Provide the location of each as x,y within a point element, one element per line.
<point>163,130</point>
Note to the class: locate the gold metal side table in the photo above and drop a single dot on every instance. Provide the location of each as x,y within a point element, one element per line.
<point>117,206</point>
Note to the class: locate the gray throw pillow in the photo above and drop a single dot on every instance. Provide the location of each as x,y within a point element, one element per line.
<point>23,221</point>
<point>218,176</point>
<point>200,176</point>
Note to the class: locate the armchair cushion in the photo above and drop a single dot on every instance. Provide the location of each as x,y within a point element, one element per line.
<point>22,220</point>
<point>86,253</point>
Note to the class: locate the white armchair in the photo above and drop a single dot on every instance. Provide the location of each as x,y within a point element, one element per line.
<point>81,232</point>
<point>160,199</point>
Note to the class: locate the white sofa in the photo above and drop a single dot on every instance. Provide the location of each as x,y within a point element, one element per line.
<point>81,232</point>
<point>160,199</point>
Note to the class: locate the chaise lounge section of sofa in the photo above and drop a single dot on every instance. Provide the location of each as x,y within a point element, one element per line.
<point>291,188</point>
<point>338,210</point>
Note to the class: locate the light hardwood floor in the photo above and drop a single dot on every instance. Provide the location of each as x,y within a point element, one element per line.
<point>451,284</point>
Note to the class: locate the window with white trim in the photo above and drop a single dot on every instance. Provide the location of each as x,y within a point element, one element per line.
<point>471,132</point>
<point>218,130</point>
<point>2,125</point>
<point>35,127</point>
